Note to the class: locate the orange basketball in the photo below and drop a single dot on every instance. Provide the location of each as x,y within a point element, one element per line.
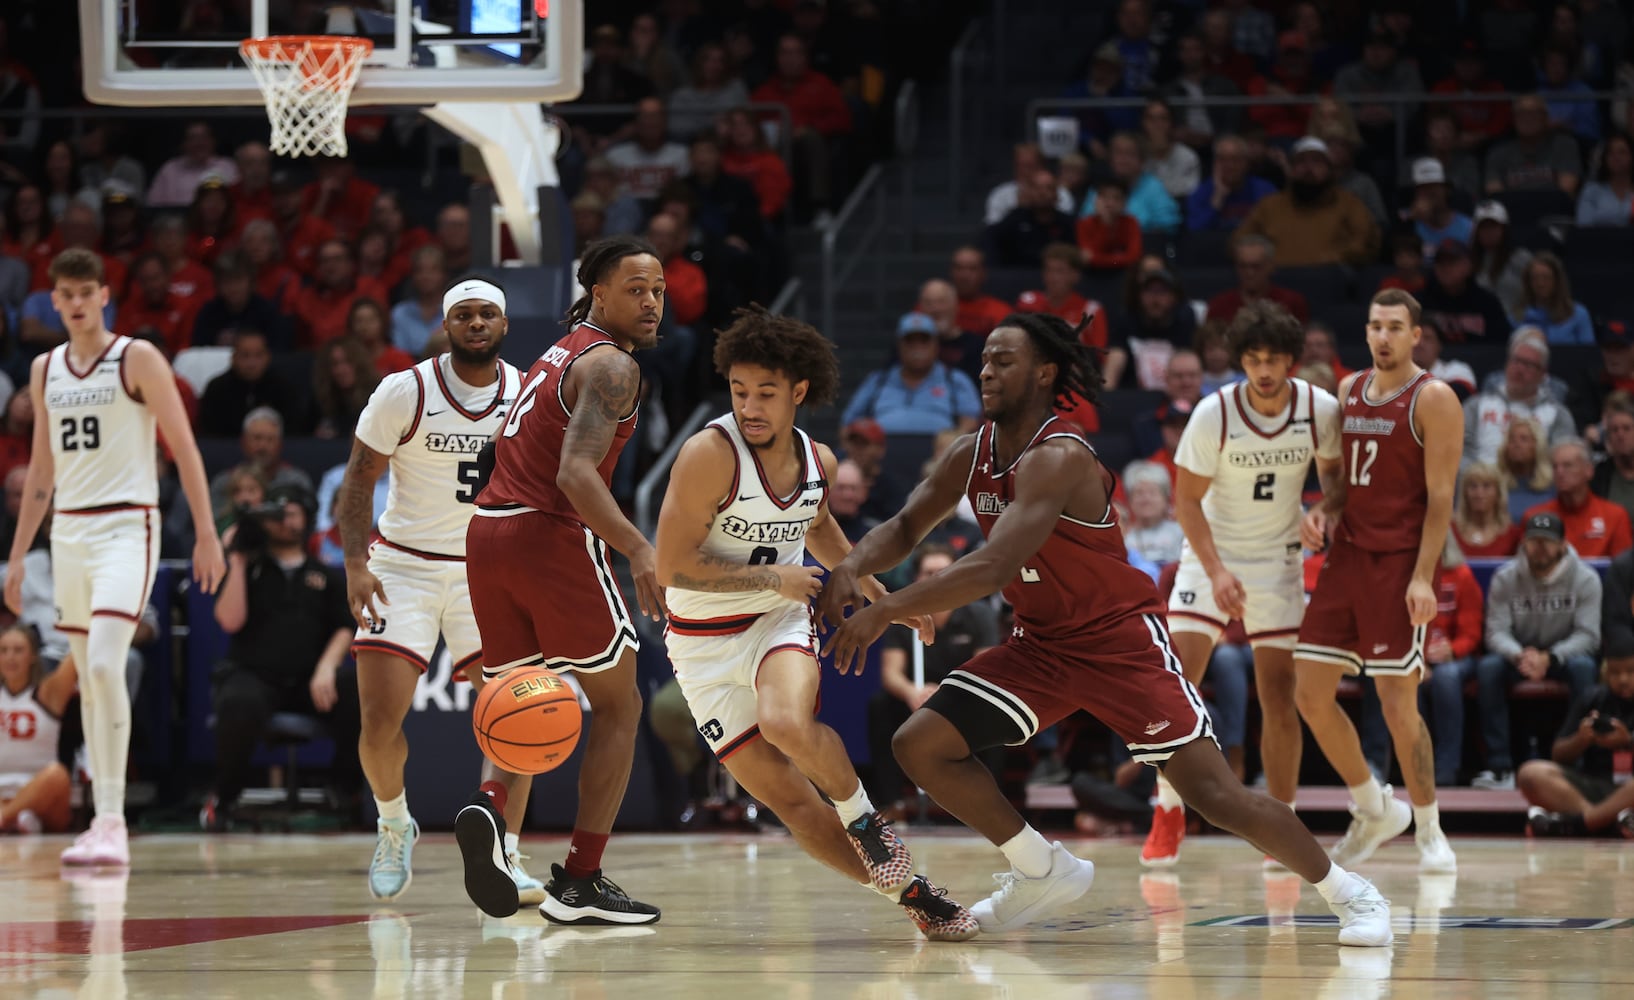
<point>528,721</point>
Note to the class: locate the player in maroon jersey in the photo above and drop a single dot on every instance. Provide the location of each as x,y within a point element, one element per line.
<point>1401,436</point>
<point>542,584</point>
<point>1089,634</point>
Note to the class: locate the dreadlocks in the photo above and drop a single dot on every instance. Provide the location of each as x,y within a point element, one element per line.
<point>780,344</point>
<point>596,266</point>
<point>1079,370</point>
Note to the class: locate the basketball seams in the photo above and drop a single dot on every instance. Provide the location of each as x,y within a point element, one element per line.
<point>499,739</point>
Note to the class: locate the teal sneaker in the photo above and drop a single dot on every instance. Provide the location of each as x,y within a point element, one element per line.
<point>392,868</point>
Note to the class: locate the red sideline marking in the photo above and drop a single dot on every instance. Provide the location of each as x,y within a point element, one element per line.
<point>73,937</point>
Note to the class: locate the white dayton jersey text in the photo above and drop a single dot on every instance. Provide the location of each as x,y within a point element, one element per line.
<point>1258,465</point>
<point>28,739</point>
<point>431,425</point>
<point>755,527</point>
<point>104,441</point>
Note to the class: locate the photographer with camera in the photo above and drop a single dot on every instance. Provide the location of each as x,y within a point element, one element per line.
<point>1576,793</point>
<point>290,628</point>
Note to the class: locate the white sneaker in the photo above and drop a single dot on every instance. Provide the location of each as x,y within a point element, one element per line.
<point>529,890</point>
<point>1367,833</point>
<point>105,843</point>
<point>1435,856</point>
<point>392,867</point>
<point>28,821</point>
<point>1022,900</point>
<point>1364,918</point>
<point>1494,781</point>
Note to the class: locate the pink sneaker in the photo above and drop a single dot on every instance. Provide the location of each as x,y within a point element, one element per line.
<point>105,843</point>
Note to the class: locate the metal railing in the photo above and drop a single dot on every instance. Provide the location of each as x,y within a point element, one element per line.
<point>790,300</point>
<point>956,111</point>
<point>868,189</point>
<point>906,139</point>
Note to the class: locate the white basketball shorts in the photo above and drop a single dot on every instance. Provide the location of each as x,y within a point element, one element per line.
<point>1275,600</point>
<point>717,671</point>
<point>428,597</point>
<point>103,564</point>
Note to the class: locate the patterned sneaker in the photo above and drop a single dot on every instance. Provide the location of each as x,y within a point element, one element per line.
<point>593,899</point>
<point>1367,833</point>
<point>1022,900</point>
<point>479,829</point>
<point>392,867</point>
<point>937,917</point>
<point>105,843</point>
<point>886,857</point>
<point>1364,918</point>
<point>1163,842</point>
<point>529,890</point>
<point>1625,823</point>
<point>1435,856</point>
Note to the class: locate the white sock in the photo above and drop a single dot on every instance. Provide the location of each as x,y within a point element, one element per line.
<point>855,807</point>
<point>513,843</point>
<point>394,810</point>
<point>1029,853</point>
<point>1369,797</point>
<point>1167,797</point>
<point>1336,886</point>
<point>1427,819</point>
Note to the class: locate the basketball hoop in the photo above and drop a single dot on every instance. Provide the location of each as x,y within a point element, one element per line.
<point>307,80</point>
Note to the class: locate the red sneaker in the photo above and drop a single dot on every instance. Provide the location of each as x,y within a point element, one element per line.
<point>1163,843</point>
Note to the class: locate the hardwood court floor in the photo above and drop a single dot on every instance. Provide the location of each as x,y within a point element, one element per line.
<point>749,917</point>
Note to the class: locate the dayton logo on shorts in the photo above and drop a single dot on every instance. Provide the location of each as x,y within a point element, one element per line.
<point>765,531</point>
<point>456,444</point>
<point>712,730</point>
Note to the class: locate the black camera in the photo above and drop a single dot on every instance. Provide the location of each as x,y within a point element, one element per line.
<point>1602,724</point>
<point>250,532</point>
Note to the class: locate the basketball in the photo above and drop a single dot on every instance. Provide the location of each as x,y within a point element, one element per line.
<point>528,721</point>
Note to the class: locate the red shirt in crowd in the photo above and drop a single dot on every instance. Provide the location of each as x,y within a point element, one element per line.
<point>1073,309</point>
<point>1502,546</point>
<point>193,284</point>
<point>320,313</point>
<point>348,210</point>
<point>765,172</point>
<point>277,283</point>
<point>401,263</point>
<point>814,101</point>
<point>1598,528</point>
<point>1111,246</point>
<point>14,450</point>
<point>1458,611</point>
<point>392,359</point>
<point>1488,118</point>
<point>302,240</point>
<point>981,314</point>
<point>1226,305</point>
<point>172,320</point>
<point>686,290</point>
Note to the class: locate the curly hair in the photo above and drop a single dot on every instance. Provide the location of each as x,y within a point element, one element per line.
<point>1262,325</point>
<point>597,264</point>
<point>1058,342</point>
<point>780,344</point>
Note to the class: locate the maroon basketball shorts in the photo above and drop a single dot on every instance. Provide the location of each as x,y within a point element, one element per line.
<point>1128,676</point>
<point>1357,618</point>
<point>543,591</point>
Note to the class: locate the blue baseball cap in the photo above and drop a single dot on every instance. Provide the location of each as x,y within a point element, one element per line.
<point>915,322</point>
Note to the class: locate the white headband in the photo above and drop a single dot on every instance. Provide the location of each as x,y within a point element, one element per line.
<point>473,288</point>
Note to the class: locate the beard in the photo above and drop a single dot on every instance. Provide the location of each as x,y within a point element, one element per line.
<point>467,356</point>
<point>1308,192</point>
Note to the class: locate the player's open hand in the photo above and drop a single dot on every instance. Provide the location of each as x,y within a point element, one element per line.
<point>14,586</point>
<point>922,624</point>
<point>843,590</point>
<point>322,688</point>
<point>799,583</point>
<point>1229,595</point>
<point>649,596</point>
<point>362,589</point>
<point>849,643</point>
<point>209,562</point>
<point>1420,602</point>
<point>1313,530</point>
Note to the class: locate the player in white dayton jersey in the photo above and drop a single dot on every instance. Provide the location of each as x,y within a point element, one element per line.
<point>97,401</point>
<point>1242,465</point>
<point>747,498</point>
<point>408,585</point>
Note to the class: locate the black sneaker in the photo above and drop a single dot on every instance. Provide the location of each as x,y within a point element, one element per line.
<point>883,853</point>
<point>1625,823</point>
<point>937,917</point>
<point>480,830</point>
<point>1542,823</point>
<point>593,899</point>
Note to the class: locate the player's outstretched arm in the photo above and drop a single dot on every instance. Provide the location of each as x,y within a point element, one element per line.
<point>1439,419</point>
<point>699,484</point>
<point>1046,480</point>
<point>354,516</point>
<point>605,385</point>
<point>38,486</point>
<point>156,384</point>
<point>888,545</point>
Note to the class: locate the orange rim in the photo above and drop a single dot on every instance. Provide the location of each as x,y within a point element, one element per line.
<point>313,56</point>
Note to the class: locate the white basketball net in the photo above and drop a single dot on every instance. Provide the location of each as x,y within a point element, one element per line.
<point>307,81</point>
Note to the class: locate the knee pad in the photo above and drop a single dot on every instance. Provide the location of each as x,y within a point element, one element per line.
<point>982,724</point>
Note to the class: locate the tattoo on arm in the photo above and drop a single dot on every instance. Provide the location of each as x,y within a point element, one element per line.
<point>41,495</point>
<point>606,397</point>
<point>354,506</point>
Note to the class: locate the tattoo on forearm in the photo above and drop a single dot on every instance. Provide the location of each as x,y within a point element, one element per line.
<point>755,580</point>
<point>354,506</point>
<point>41,495</point>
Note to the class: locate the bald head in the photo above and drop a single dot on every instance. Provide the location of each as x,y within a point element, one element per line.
<point>940,301</point>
